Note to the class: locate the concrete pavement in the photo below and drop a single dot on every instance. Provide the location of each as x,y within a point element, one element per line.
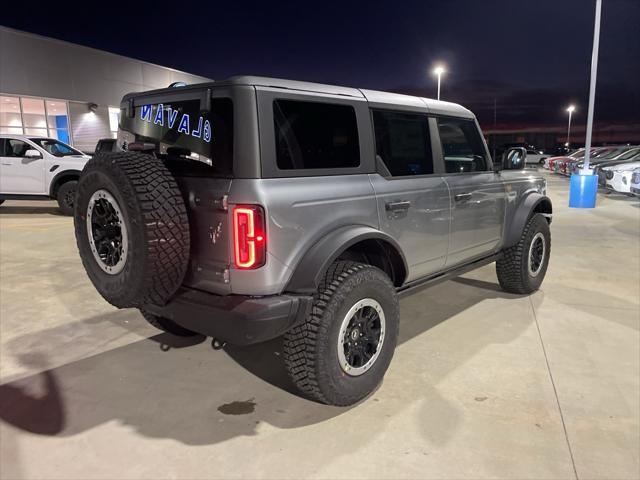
<point>483,384</point>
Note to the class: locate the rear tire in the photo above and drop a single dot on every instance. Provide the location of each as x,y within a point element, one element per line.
<point>522,267</point>
<point>137,251</point>
<point>354,303</point>
<point>167,325</point>
<point>66,197</point>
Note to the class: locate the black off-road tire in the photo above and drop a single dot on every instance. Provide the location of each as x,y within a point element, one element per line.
<point>66,197</point>
<point>311,348</point>
<point>167,325</point>
<point>155,217</point>
<point>513,268</point>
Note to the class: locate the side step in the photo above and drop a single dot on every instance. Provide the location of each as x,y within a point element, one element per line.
<point>447,275</point>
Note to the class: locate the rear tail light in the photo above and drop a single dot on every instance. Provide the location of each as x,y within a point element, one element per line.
<point>249,237</point>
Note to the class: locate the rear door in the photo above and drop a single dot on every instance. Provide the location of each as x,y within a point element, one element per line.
<point>478,198</point>
<point>19,174</point>
<point>413,199</point>
<point>196,139</point>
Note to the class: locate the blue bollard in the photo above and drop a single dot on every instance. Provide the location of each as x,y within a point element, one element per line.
<point>583,191</point>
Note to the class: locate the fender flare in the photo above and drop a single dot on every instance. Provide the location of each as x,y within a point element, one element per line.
<point>311,268</point>
<point>60,175</point>
<point>523,213</point>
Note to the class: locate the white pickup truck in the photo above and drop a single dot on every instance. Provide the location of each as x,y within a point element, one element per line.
<point>39,168</point>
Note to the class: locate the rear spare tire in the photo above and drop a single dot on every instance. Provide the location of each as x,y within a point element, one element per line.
<point>132,228</point>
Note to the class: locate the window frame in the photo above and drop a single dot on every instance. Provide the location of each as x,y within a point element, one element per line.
<point>489,160</point>
<point>23,140</point>
<point>266,96</point>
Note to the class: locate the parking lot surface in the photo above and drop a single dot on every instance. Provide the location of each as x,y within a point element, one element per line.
<point>483,384</point>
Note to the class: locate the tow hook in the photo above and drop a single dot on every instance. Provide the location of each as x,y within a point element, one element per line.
<point>217,344</point>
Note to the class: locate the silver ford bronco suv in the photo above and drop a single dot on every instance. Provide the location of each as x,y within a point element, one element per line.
<point>253,208</point>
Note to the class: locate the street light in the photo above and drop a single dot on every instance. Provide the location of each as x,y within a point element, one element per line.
<point>583,188</point>
<point>570,109</point>
<point>439,70</point>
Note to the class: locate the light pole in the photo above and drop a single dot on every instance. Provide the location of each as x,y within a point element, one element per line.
<point>439,70</point>
<point>570,109</point>
<point>583,188</point>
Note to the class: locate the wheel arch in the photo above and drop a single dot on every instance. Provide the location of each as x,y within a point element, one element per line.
<point>60,178</point>
<point>533,203</point>
<point>359,243</point>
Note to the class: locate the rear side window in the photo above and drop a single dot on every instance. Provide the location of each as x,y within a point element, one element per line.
<point>403,142</point>
<point>312,135</point>
<point>462,146</point>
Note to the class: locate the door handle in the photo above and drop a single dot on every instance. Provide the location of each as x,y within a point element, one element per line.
<point>397,206</point>
<point>462,197</point>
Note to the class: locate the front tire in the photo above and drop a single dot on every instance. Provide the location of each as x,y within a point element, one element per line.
<point>522,267</point>
<point>66,197</point>
<point>341,352</point>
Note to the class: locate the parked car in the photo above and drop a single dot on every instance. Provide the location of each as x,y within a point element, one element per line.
<point>553,162</point>
<point>536,157</point>
<point>601,156</point>
<point>307,210</point>
<point>632,155</point>
<point>618,177</point>
<point>635,182</point>
<point>106,145</point>
<point>39,168</point>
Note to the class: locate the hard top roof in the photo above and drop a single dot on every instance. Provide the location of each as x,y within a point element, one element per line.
<point>376,97</point>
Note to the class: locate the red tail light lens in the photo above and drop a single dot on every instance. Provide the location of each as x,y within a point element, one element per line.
<point>249,237</point>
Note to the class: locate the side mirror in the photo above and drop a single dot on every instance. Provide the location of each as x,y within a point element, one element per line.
<point>32,153</point>
<point>514,158</point>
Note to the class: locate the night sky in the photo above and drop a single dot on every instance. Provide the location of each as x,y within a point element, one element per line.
<point>531,57</point>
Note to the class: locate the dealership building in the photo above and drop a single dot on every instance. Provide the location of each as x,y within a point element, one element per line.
<point>67,91</point>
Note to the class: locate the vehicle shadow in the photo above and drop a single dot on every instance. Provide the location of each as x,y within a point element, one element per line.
<point>30,209</point>
<point>170,387</point>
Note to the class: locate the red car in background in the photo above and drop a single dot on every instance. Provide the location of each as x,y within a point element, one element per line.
<point>554,162</point>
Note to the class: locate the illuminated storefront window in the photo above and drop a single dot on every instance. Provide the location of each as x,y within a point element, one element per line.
<point>35,116</point>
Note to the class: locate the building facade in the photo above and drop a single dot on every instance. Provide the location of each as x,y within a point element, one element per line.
<point>61,90</point>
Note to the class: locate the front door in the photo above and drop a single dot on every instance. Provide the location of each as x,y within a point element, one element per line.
<point>413,201</point>
<point>478,198</point>
<point>18,173</point>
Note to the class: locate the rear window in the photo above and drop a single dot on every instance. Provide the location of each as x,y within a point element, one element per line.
<point>181,128</point>
<point>312,135</point>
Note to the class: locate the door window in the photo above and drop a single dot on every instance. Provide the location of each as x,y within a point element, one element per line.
<point>16,148</point>
<point>403,142</point>
<point>462,146</point>
<point>312,135</point>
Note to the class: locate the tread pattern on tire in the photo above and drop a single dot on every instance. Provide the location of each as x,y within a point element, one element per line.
<point>509,268</point>
<point>300,343</point>
<point>164,220</point>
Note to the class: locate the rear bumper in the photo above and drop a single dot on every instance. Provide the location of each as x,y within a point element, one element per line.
<point>237,319</point>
